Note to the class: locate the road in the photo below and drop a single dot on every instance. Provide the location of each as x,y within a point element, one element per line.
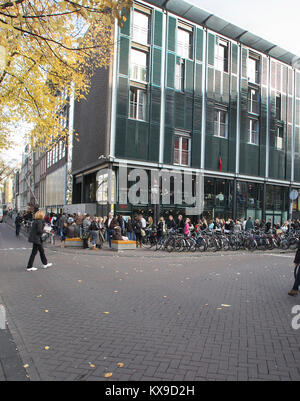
<point>221,317</point>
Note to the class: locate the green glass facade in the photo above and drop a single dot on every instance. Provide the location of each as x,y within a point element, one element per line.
<point>236,108</point>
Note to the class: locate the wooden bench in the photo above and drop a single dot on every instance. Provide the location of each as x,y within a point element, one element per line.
<point>74,243</point>
<point>122,245</point>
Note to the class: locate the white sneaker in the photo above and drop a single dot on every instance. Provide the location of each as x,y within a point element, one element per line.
<point>33,269</point>
<point>46,266</point>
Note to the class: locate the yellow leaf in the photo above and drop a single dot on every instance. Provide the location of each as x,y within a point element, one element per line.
<point>106,313</point>
<point>120,364</point>
<point>92,366</point>
<point>46,348</point>
<point>108,375</point>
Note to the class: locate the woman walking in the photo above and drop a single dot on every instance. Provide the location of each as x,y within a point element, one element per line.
<point>35,237</point>
<point>294,292</point>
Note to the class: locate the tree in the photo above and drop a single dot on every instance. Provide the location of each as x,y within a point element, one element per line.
<point>49,48</point>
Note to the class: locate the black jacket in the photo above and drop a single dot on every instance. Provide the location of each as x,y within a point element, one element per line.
<point>36,232</point>
<point>297,257</point>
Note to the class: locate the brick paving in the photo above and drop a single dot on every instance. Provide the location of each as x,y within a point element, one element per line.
<point>164,317</point>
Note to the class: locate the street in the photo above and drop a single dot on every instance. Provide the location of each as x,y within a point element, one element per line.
<point>150,316</point>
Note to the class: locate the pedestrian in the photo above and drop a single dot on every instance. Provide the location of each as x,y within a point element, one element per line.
<point>129,229</point>
<point>249,225</point>
<point>94,230</point>
<point>295,289</point>
<point>35,237</point>
<point>18,223</point>
<point>63,236</point>
<point>180,224</point>
<point>187,228</point>
<point>137,227</point>
<point>171,225</point>
<point>85,230</point>
<point>110,224</point>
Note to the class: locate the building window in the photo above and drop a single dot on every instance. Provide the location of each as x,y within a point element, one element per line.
<point>222,55</point>
<point>279,138</point>
<point>180,74</point>
<point>139,66</point>
<point>184,43</point>
<point>138,104</point>
<point>254,68</point>
<point>140,28</point>
<point>278,107</point>
<point>182,145</point>
<point>221,124</point>
<point>253,101</point>
<point>253,131</point>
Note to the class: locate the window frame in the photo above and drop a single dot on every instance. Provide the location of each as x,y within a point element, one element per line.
<point>181,65</point>
<point>225,44</point>
<point>189,31</point>
<point>181,136</point>
<point>132,78</point>
<point>257,59</point>
<point>218,123</point>
<point>251,131</point>
<point>250,100</point>
<point>147,14</point>
<point>136,113</point>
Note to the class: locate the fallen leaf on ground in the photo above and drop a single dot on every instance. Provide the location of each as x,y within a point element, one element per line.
<point>120,364</point>
<point>92,365</point>
<point>106,313</point>
<point>226,306</point>
<point>46,311</point>
<point>108,375</point>
<point>26,366</point>
<point>46,348</point>
<point>79,281</point>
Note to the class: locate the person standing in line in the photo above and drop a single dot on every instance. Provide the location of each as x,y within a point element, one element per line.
<point>85,230</point>
<point>94,230</point>
<point>18,223</point>
<point>129,229</point>
<point>137,227</point>
<point>294,292</point>
<point>110,225</point>
<point>35,237</point>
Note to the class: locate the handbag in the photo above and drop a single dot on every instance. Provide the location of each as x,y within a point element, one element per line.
<point>143,234</point>
<point>44,237</point>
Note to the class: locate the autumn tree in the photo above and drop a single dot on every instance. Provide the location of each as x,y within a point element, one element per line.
<point>49,48</point>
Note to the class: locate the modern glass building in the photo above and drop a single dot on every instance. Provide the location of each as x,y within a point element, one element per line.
<point>192,92</point>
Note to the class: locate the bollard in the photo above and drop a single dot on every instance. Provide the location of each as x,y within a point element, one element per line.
<point>2,318</point>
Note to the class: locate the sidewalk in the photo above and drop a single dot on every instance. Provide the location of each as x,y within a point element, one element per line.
<point>11,366</point>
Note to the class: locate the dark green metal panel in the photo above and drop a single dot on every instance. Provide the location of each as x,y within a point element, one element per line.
<point>124,56</point>
<point>125,30</point>
<point>179,110</point>
<point>199,44</point>
<point>211,49</point>
<point>189,76</point>
<point>169,135</point>
<point>156,67</point>
<point>198,80</point>
<point>154,143</point>
<point>234,61</point>
<point>172,34</point>
<point>244,62</point>
<point>123,97</point>
<point>158,28</point>
<point>121,128</point>
<point>171,70</point>
<point>196,149</point>
<point>155,104</point>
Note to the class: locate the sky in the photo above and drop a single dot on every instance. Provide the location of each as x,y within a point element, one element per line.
<point>277,21</point>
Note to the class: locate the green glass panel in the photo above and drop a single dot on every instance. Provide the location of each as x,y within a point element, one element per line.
<point>158,28</point>
<point>124,56</point>
<point>172,34</point>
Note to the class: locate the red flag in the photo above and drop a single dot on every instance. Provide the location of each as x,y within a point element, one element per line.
<point>220,164</point>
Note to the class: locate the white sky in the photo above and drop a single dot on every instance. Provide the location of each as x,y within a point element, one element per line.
<point>277,21</point>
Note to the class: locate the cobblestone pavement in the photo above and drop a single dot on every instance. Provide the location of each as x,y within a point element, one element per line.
<point>147,317</point>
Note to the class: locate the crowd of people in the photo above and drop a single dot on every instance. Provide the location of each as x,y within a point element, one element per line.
<point>96,230</point>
